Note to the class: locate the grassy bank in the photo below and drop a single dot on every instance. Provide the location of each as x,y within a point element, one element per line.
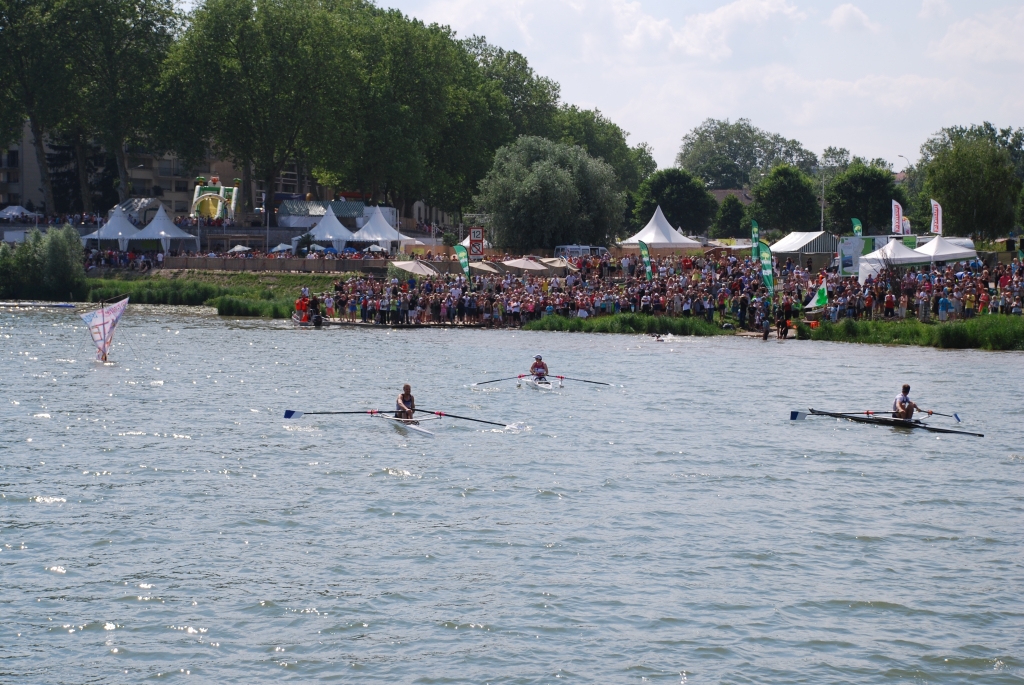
<point>265,295</point>
<point>995,332</point>
<point>627,323</point>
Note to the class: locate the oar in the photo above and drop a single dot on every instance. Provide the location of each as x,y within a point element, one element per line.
<point>566,378</point>
<point>292,414</point>
<point>498,380</point>
<point>464,418</point>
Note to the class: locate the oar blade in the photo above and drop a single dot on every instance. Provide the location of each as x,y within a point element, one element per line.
<point>292,414</point>
<point>797,415</point>
<point>957,417</point>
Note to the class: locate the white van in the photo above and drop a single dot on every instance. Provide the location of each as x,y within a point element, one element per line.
<point>579,251</point>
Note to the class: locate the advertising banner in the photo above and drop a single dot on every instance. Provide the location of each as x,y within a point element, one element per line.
<point>936,218</point>
<point>463,256</point>
<point>755,238</point>
<point>897,218</point>
<point>858,227</point>
<point>767,274</point>
<point>645,254</point>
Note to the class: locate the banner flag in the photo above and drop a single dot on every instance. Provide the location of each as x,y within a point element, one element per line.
<point>767,273</point>
<point>820,298</point>
<point>102,323</point>
<point>936,218</point>
<point>646,255</point>
<point>897,218</point>
<point>755,238</point>
<point>463,256</point>
<point>858,228</point>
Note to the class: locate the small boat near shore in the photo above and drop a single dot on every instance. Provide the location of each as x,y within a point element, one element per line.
<point>317,321</point>
<point>871,418</point>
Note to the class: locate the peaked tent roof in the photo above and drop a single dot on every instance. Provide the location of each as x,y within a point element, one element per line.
<point>806,241</point>
<point>894,252</point>
<point>659,233</point>
<point>377,229</point>
<point>329,229</point>
<point>162,228</point>
<point>941,250</point>
<point>116,228</point>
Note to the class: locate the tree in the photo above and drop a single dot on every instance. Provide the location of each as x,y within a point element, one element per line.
<point>262,80</point>
<point>540,194</point>
<point>865,193</point>
<point>786,200</point>
<point>682,198</point>
<point>975,182</point>
<point>531,101</point>
<point>1009,139</point>
<point>36,47</point>
<point>723,153</point>
<point>730,221</point>
<point>604,139</point>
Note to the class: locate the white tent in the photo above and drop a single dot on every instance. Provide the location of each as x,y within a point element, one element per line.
<point>378,230</point>
<point>894,252</point>
<point>465,243</point>
<point>806,242</point>
<point>163,229</point>
<point>414,266</point>
<point>117,228</point>
<point>659,233</point>
<point>15,212</point>
<point>940,249</point>
<point>329,229</point>
<point>282,247</point>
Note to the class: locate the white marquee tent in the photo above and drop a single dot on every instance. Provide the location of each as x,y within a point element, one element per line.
<point>806,242</point>
<point>940,249</point>
<point>378,230</point>
<point>163,229</point>
<point>16,212</point>
<point>658,233</point>
<point>894,252</point>
<point>329,230</point>
<point>117,228</point>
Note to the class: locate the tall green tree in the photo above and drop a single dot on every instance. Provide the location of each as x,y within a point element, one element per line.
<point>731,155</point>
<point>36,46</point>
<point>975,182</point>
<point>118,64</point>
<point>786,200</point>
<point>862,192</point>
<point>542,194</point>
<point>731,219</point>
<point>604,139</point>
<point>262,80</point>
<point>531,100</point>
<point>682,198</point>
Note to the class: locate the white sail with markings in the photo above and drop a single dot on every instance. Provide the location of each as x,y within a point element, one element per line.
<point>102,323</point>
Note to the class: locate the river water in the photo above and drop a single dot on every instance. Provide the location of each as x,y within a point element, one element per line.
<point>160,521</point>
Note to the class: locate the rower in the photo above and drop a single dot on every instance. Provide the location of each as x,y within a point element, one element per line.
<point>903,408</point>
<point>539,369</point>
<point>405,406</point>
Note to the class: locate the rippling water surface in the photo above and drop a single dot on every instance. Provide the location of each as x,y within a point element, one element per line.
<point>160,521</point>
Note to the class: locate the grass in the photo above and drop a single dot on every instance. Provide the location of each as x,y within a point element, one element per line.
<point>269,296</point>
<point>988,332</point>
<point>627,323</point>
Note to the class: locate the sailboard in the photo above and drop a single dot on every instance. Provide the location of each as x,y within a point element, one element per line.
<point>102,323</point>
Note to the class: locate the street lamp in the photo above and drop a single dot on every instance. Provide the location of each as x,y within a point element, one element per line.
<point>905,160</point>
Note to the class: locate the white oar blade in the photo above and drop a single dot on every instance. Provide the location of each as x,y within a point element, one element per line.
<point>797,415</point>
<point>292,414</point>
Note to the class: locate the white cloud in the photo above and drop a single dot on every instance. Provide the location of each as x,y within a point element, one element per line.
<point>986,38</point>
<point>849,17</point>
<point>707,34</point>
<point>931,9</point>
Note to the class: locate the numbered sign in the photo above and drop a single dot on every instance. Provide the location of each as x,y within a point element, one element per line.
<point>476,242</point>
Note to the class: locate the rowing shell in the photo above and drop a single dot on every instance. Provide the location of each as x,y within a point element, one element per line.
<point>539,384</point>
<point>408,424</point>
<point>893,423</point>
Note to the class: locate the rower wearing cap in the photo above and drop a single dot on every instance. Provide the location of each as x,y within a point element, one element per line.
<point>539,369</point>
<point>903,408</point>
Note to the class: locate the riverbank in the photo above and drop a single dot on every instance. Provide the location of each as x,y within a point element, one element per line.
<point>266,295</point>
<point>629,323</point>
<point>988,332</point>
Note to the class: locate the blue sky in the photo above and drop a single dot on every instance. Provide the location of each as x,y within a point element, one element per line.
<point>876,77</point>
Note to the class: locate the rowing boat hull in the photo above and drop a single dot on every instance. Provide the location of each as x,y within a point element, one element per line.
<point>407,424</point>
<point>892,423</point>
<point>538,385</point>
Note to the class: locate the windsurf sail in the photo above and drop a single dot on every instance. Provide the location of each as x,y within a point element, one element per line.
<point>102,323</point>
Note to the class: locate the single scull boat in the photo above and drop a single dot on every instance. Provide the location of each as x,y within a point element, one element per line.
<point>881,421</point>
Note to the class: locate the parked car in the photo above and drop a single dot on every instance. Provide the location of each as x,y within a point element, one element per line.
<point>579,251</point>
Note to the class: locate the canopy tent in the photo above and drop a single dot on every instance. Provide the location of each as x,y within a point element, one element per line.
<point>941,249</point>
<point>240,248</point>
<point>329,230</point>
<point>806,242</point>
<point>658,233</point>
<point>894,252</point>
<point>378,230</point>
<point>415,266</point>
<point>525,265</point>
<point>558,263</point>
<point>283,247</point>
<point>117,228</point>
<point>163,229</point>
<point>16,211</point>
<point>483,266</point>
